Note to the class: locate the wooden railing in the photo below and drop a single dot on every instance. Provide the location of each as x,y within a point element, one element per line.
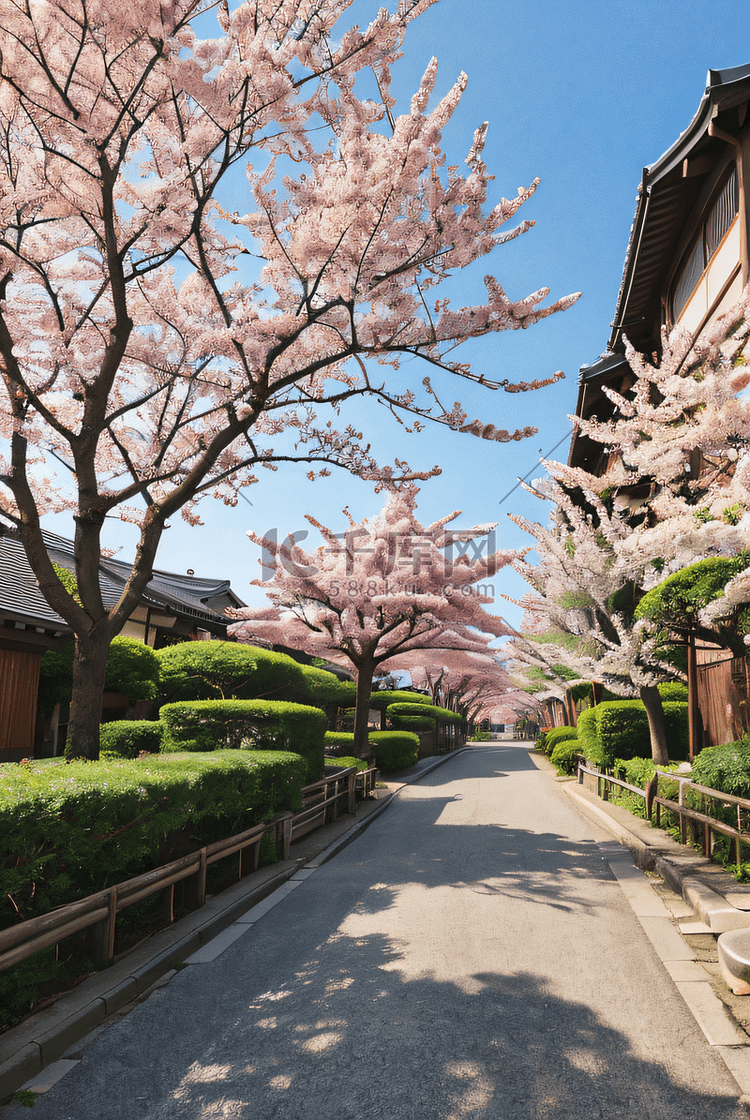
<point>322,802</point>
<point>688,815</point>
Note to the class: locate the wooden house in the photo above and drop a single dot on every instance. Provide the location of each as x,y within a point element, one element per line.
<point>687,261</point>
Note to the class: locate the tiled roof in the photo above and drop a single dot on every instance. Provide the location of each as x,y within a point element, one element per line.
<point>20,597</point>
<point>668,191</point>
<point>195,597</point>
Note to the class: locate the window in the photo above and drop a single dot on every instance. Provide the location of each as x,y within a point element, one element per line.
<point>713,229</point>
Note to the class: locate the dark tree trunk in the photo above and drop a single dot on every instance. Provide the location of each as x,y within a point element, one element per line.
<point>655,712</point>
<point>89,670</point>
<point>365,673</point>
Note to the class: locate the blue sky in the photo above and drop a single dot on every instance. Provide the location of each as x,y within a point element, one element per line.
<point>583,95</point>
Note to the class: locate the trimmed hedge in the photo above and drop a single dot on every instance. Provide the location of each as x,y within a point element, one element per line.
<point>566,754</point>
<point>587,736</point>
<point>381,700</point>
<point>265,725</point>
<point>344,761</point>
<point>621,731</point>
<point>673,690</point>
<point>725,767</point>
<point>227,670</point>
<point>321,688</point>
<point>338,742</point>
<point>394,750</point>
<point>67,831</point>
<point>557,735</point>
<point>128,737</point>
<point>411,717</point>
<point>419,717</point>
<point>549,738</point>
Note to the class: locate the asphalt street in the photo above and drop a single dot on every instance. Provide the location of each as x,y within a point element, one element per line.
<point>470,956</point>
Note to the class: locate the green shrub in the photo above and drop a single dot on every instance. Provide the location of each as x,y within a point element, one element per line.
<point>264,725</point>
<point>566,754</point>
<point>128,737</point>
<point>725,767</point>
<point>320,688</point>
<point>394,750</point>
<point>228,670</point>
<point>673,690</point>
<point>541,743</point>
<point>588,738</point>
<point>344,761</point>
<point>621,731</point>
<point>411,717</point>
<point>380,700</point>
<point>67,831</point>
<point>419,717</point>
<point>557,735</point>
<point>132,668</point>
<point>337,742</point>
<point>636,771</point>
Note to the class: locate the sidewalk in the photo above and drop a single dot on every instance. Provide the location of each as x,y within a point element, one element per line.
<point>715,897</point>
<point>48,1034</point>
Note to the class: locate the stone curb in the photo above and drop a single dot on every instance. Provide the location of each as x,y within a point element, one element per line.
<point>51,1032</point>
<point>701,883</point>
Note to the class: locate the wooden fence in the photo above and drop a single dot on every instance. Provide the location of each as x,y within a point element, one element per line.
<point>322,802</point>
<point>701,825</point>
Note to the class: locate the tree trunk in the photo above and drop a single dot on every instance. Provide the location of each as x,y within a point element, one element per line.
<point>655,712</point>
<point>365,673</point>
<point>89,671</point>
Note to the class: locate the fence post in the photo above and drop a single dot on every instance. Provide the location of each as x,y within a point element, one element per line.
<point>102,934</point>
<point>351,801</point>
<point>652,789</point>
<point>683,821</point>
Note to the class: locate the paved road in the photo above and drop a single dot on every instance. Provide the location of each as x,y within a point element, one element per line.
<point>471,956</point>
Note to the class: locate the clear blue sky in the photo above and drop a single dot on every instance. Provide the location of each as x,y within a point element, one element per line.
<point>583,95</point>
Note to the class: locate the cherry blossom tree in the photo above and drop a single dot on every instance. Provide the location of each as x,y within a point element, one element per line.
<point>468,683</point>
<point>677,491</point>
<point>383,589</point>
<point>167,327</point>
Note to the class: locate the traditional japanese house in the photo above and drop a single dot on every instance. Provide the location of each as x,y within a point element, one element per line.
<point>173,606</point>
<point>687,261</point>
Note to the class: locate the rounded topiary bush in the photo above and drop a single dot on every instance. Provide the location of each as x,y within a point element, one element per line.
<point>394,750</point>
<point>557,735</point>
<point>566,754</point>
<point>127,738</point>
<point>411,717</point>
<point>266,725</point>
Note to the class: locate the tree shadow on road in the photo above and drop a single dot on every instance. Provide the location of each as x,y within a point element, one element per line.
<point>346,1035</point>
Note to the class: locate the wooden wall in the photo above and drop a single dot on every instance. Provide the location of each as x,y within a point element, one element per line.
<point>723,689</point>
<point>19,683</point>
